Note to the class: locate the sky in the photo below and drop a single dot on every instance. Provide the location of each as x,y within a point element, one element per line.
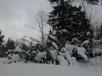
<point>15,14</point>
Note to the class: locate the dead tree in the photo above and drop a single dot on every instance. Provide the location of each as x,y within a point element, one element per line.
<point>41,19</point>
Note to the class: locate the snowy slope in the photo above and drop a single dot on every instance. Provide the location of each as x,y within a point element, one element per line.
<point>29,69</point>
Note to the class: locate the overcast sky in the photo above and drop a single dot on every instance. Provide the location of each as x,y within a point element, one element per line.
<point>14,14</point>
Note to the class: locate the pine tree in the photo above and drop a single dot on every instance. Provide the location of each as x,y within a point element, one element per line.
<point>1,38</point>
<point>10,45</point>
<point>3,51</point>
<point>2,47</point>
<point>64,16</point>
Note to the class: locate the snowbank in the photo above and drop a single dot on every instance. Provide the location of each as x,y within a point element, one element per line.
<point>96,62</point>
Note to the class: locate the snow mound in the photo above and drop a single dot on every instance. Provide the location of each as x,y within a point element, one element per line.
<point>4,60</point>
<point>40,56</point>
<point>97,51</point>
<point>97,61</point>
<point>62,61</point>
<point>82,51</point>
<point>13,58</point>
<point>69,47</point>
<point>54,54</point>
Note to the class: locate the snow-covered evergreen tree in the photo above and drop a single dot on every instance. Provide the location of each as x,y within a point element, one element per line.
<point>10,45</point>
<point>2,47</point>
<point>64,16</point>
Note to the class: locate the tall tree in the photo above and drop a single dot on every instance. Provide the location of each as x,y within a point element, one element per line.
<point>41,22</point>
<point>41,19</point>
<point>64,16</point>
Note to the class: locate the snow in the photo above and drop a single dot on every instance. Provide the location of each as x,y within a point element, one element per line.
<point>97,61</point>
<point>55,45</point>
<point>18,68</point>
<point>40,55</point>
<point>97,50</point>
<point>86,42</point>
<point>15,58</point>
<point>52,37</point>
<point>62,61</point>
<point>64,30</point>
<point>66,55</point>
<point>54,54</point>
<point>18,49</point>
<point>4,60</point>
<point>69,47</point>
<point>82,51</point>
<point>30,69</point>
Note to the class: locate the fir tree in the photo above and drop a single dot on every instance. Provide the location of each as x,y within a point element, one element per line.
<point>2,47</point>
<point>10,45</point>
<point>1,38</point>
<point>64,16</point>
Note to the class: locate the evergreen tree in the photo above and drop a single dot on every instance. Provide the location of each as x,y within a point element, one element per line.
<point>1,38</point>
<point>2,47</point>
<point>24,47</point>
<point>64,16</point>
<point>3,51</point>
<point>10,45</point>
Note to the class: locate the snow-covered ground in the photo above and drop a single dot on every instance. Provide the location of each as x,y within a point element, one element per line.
<point>17,67</point>
<point>31,69</point>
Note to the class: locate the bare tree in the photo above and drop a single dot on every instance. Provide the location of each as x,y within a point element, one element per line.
<point>41,22</point>
<point>41,19</point>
